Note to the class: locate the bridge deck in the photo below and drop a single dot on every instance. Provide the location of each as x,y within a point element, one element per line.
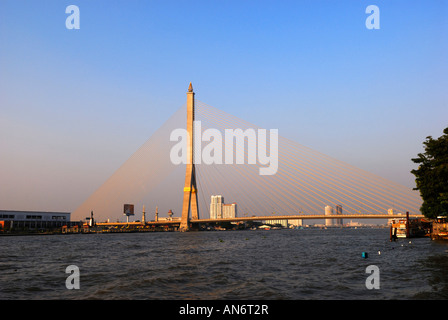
<point>256,218</point>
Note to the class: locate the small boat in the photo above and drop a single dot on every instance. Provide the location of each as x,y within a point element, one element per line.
<point>440,228</point>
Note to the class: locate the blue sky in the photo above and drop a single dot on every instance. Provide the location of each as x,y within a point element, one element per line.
<point>75,104</point>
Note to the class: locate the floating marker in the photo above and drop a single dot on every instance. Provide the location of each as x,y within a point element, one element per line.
<point>365,255</point>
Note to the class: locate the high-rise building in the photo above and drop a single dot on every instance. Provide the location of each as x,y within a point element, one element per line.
<point>219,210</point>
<point>216,206</point>
<point>328,211</point>
<point>229,210</point>
<point>339,222</point>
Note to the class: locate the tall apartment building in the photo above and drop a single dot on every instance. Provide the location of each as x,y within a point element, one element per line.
<point>339,222</point>
<point>229,210</point>
<point>328,211</point>
<point>219,210</point>
<point>216,207</point>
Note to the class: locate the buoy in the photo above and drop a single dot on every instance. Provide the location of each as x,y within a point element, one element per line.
<point>379,252</point>
<point>365,255</point>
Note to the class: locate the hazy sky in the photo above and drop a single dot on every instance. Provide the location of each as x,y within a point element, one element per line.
<point>76,104</point>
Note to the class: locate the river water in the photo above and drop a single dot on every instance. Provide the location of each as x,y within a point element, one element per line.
<point>224,265</point>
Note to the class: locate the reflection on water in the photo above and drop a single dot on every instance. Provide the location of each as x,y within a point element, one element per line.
<point>276,264</point>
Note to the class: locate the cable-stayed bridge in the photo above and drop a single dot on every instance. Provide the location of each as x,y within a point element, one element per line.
<point>303,184</point>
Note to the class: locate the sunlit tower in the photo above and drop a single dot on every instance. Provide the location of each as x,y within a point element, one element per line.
<point>190,202</point>
<point>328,212</point>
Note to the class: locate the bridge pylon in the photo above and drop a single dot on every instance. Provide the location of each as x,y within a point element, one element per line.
<point>190,202</point>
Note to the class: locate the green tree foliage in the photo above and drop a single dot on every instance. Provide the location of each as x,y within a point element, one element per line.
<point>432,176</point>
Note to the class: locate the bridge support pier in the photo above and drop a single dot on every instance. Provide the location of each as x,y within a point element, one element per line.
<point>190,202</point>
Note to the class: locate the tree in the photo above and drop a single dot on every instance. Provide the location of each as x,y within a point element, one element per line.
<point>432,176</point>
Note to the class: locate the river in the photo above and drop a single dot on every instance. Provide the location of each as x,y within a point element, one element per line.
<point>304,264</point>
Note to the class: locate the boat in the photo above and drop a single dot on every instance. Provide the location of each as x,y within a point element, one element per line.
<point>440,228</point>
<point>410,228</point>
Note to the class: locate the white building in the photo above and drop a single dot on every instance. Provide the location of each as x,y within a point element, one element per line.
<point>35,219</point>
<point>328,211</point>
<point>216,207</point>
<point>229,210</point>
<point>219,210</point>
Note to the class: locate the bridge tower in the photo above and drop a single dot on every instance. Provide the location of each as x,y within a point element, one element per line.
<point>190,202</point>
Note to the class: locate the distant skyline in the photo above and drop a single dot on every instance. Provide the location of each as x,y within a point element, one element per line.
<point>76,104</point>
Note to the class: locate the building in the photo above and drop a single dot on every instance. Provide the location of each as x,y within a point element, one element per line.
<point>229,210</point>
<point>278,222</point>
<point>296,222</point>
<point>390,212</point>
<point>328,211</point>
<point>35,219</point>
<point>219,210</point>
<point>339,222</point>
<point>169,218</point>
<point>216,207</point>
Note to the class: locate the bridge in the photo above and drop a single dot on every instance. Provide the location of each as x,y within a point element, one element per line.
<point>197,222</point>
<point>304,180</point>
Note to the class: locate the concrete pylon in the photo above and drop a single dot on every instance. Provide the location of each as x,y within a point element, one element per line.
<point>190,202</point>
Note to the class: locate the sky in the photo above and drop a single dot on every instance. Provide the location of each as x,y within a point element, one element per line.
<point>75,104</point>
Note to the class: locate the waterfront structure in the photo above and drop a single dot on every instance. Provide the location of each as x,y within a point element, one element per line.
<point>328,211</point>
<point>190,201</point>
<point>339,222</point>
<point>143,215</point>
<point>295,222</point>
<point>281,222</point>
<point>219,210</point>
<point>35,219</point>
<point>156,216</point>
<point>169,218</point>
